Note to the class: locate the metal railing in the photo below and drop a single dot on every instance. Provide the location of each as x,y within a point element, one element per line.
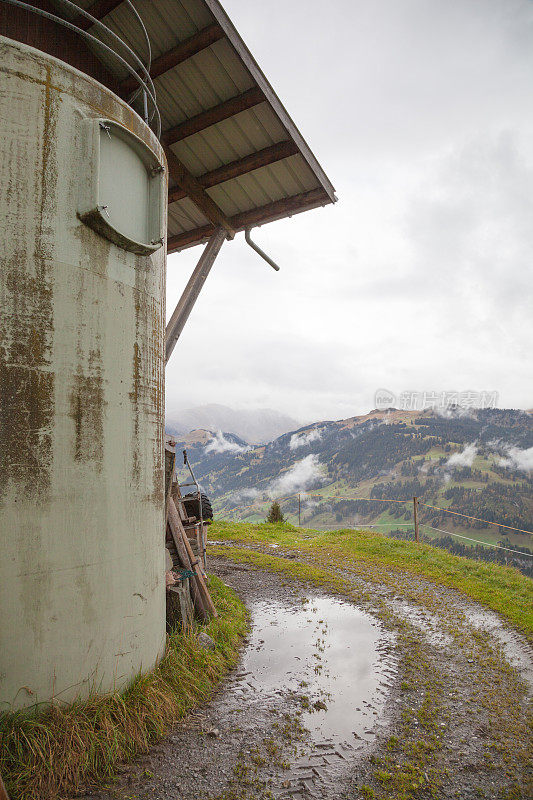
<point>146,86</point>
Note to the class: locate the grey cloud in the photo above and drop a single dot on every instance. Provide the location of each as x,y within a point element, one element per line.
<point>420,277</point>
<point>463,459</point>
<point>305,438</point>
<point>300,476</point>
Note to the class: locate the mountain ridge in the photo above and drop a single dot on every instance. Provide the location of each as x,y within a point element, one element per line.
<point>478,463</point>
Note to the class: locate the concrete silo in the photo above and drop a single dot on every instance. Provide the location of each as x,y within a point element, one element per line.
<point>90,203</point>
<point>82,225</point>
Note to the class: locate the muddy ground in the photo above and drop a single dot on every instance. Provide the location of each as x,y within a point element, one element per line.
<point>387,697</point>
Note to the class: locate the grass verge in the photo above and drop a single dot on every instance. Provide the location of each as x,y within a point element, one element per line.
<point>49,752</point>
<point>503,589</point>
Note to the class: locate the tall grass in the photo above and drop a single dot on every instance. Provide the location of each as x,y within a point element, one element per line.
<point>46,754</point>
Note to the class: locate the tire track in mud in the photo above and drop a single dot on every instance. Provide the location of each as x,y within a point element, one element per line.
<point>264,733</point>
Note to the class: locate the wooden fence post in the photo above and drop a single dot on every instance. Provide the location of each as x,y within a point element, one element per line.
<point>415,515</point>
<point>299,512</point>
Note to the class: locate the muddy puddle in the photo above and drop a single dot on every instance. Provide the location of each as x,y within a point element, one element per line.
<point>331,657</point>
<point>332,664</point>
<point>299,713</point>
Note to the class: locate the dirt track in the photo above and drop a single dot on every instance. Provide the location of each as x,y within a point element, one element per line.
<point>331,699</point>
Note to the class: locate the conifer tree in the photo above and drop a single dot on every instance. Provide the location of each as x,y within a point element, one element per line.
<point>275,515</point>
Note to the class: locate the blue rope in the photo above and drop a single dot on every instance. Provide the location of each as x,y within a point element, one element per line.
<point>185,573</point>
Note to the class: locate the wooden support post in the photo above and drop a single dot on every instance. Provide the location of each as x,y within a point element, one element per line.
<point>192,290</point>
<point>415,515</point>
<point>176,529</point>
<point>195,564</point>
<point>196,192</point>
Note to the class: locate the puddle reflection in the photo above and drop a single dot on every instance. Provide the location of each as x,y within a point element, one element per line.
<point>328,651</point>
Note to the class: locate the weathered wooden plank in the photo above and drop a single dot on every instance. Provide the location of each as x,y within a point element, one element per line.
<point>183,51</point>
<point>175,528</point>
<point>179,605</point>
<point>280,208</point>
<point>200,122</point>
<point>175,521</point>
<point>206,597</point>
<point>197,193</point>
<point>241,166</point>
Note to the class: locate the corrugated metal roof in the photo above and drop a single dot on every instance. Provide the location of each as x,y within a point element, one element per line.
<point>278,176</point>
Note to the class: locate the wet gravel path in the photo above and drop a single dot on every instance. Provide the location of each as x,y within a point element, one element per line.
<point>325,687</point>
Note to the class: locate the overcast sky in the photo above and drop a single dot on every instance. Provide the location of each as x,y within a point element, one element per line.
<point>420,277</point>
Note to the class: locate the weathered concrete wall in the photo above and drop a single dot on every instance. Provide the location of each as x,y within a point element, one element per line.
<point>82,591</point>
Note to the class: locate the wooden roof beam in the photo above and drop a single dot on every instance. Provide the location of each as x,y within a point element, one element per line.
<point>99,9</point>
<point>241,102</point>
<point>184,50</point>
<point>197,193</point>
<point>256,216</point>
<point>241,166</point>
<point>280,209</point>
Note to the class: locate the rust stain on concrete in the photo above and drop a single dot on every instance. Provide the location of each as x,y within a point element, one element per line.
<point>147,393</point>
<point>134,396</point>
<point>26,331</point>
<point>87,411</point>
<point>87,402</point>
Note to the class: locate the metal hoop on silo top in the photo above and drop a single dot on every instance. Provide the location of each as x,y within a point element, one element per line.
<point>146,85</point>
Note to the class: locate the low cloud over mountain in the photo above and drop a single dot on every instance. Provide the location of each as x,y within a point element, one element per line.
<point>254,426</point>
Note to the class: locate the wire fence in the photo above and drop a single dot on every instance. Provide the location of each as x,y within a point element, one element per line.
<point>303,497</point>
<point>478,519</point>
<point>485,544</point>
